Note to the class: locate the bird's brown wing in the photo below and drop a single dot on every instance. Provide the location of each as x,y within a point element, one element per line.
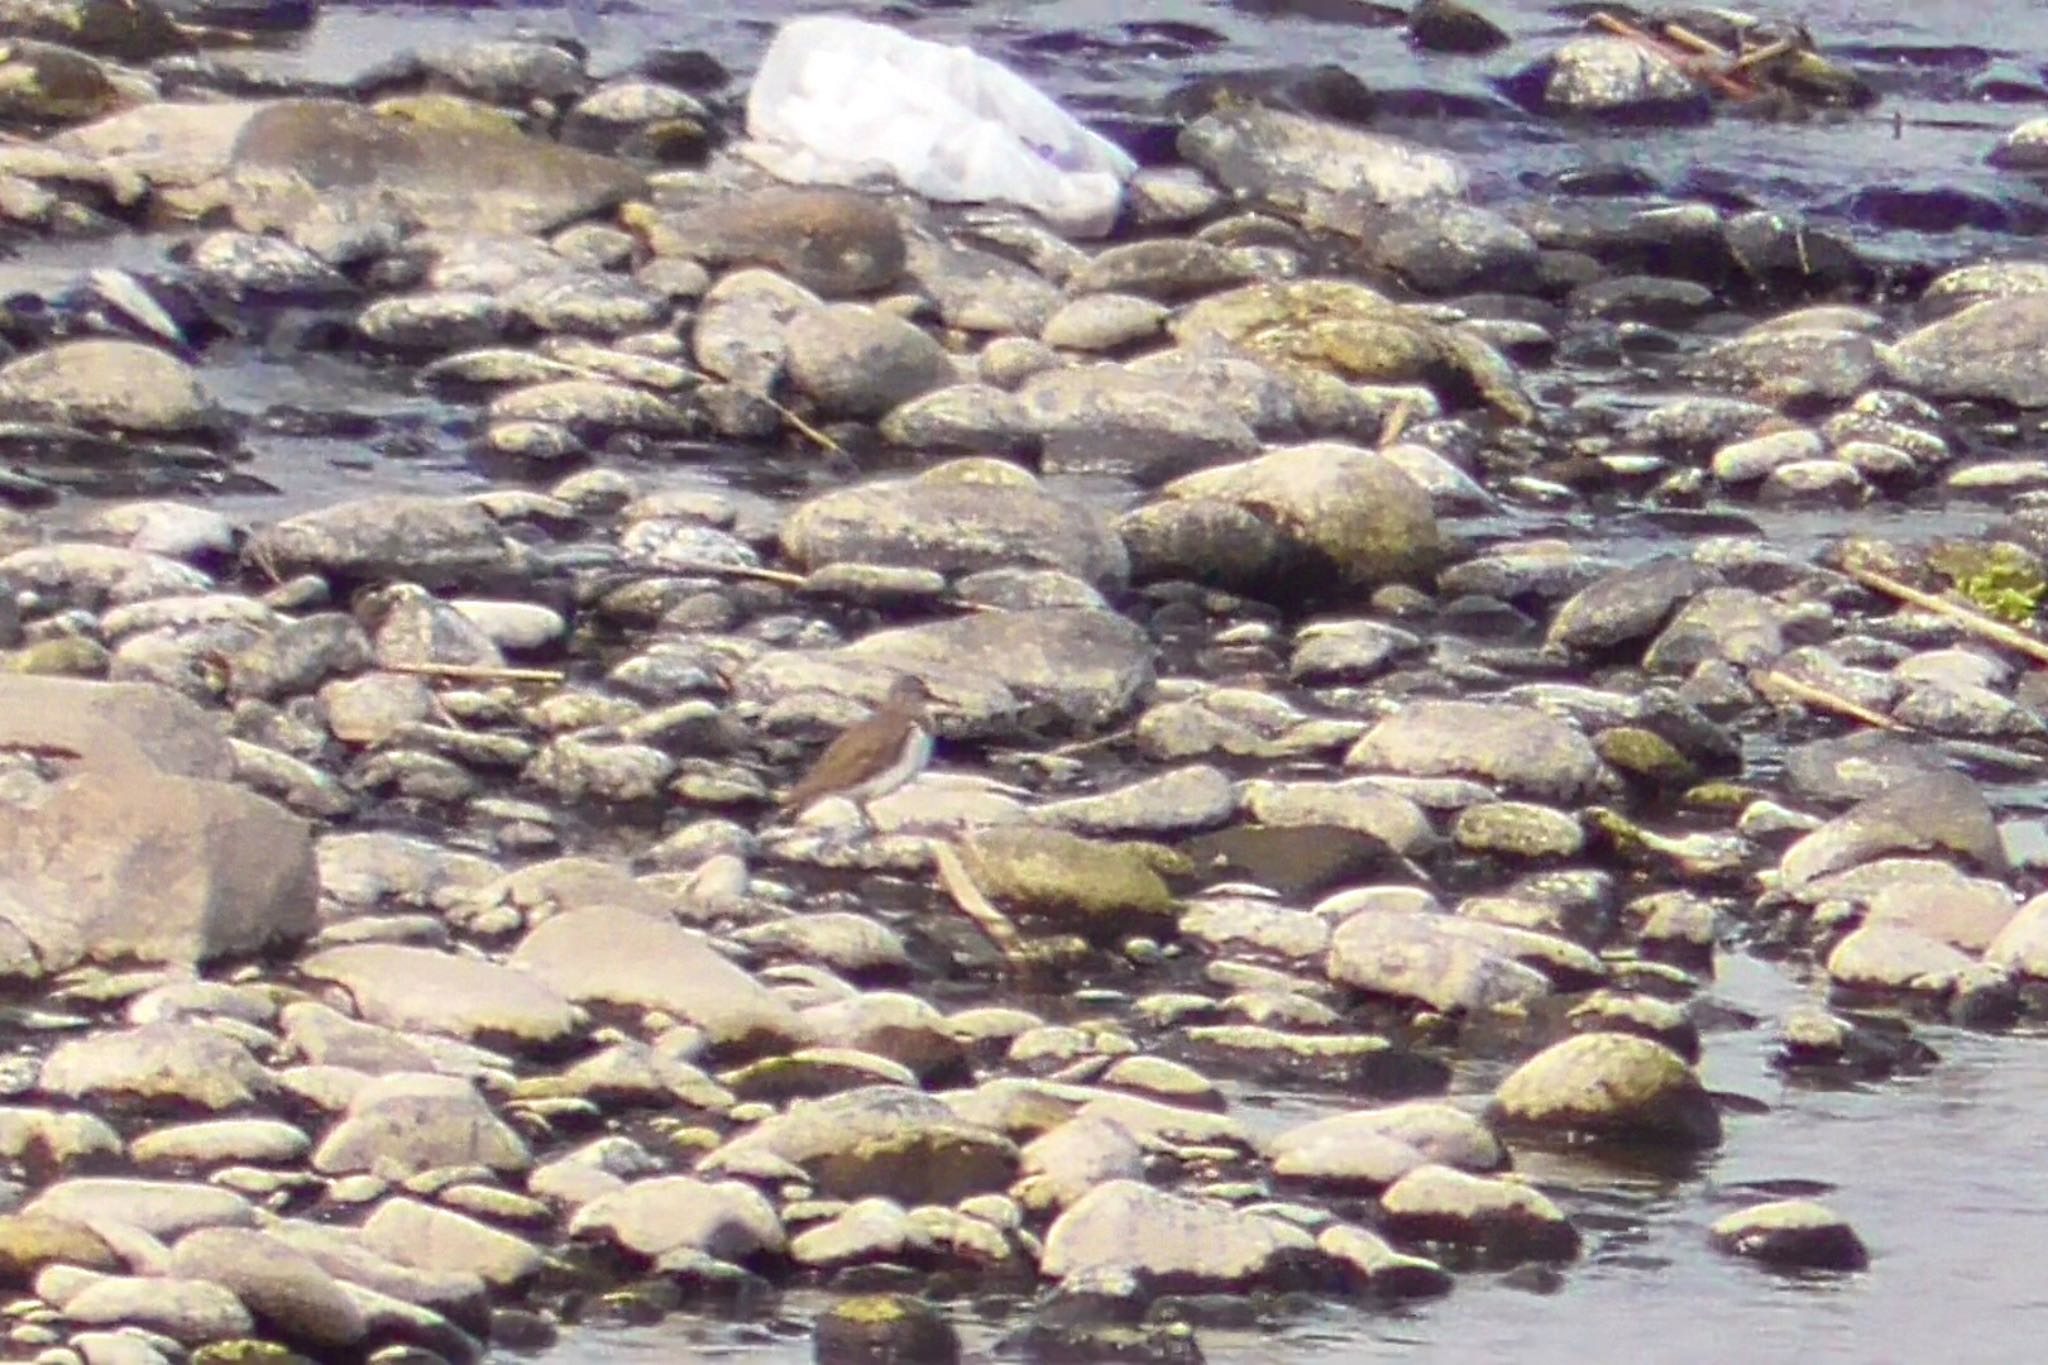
<point>861,749</point>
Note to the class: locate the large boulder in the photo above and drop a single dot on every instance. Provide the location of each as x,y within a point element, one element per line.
<point>430,541</point>
<point>111,725</point>
<point>128,863</point>
<point>1995,350</point>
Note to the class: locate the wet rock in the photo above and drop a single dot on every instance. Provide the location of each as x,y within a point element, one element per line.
<point>1991,350</point>
<point>1932,812</point>
<point>1966,912</point>
<point>882,1140</point>
<point>413,1122</point>
<point>654,1218</point>
<point>836,242</point>
<point>435,992</point>
<point>429,541</point>
<point>178,1064</point>
<point>875,1327</point>
<point>1450,26</point>
<point>1884,957</point>
<point>856,362</point>
<point>410,1233</point>
<point>46,85</point>
<point>1097,889</point>
<point>295,157</point>
<point>229,871</point>
<point>1445,963</point>
<point>138,32</point>
<point>1791,1232</point>
<point>1732,624</point>
<point>1106,419</point>
<point>1609,1085</point>
<point>99,383</point>
<point>1367,1265</point>
<point>1519,748</point>
<point>439,322</point>
<point>601,955</point>
<point>1173,1243</point>
<point>286,1291</point>
<point>1370,1149</point>
<point>1613,78</point>
<point>1792,369</point>
<point>1266,153</point>
<point>1519,829</point>
<point>1502,1221</point>
<point>960,517</point>
<point>1440,246</point>
<point>1627,605</point>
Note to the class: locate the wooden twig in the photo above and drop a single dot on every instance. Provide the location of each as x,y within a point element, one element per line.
<point>993,923</point>
<point>1396,423</point>
<point>802,426</point>
<point>1821,697</point>
<point>779,576</point>
<point>1972,620</point>
<point>1084,746</point>
<point>1757,56</point>
<point>29,748</point>
<point>1675,45</point>
<point>477,672</point>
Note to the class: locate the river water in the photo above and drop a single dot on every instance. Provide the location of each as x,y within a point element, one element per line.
<point>1939,1172</point>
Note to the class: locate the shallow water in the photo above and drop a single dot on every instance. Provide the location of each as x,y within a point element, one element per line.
<point>1938,1172</point>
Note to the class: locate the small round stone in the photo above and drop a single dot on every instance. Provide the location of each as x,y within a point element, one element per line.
<point>1791,1233</point>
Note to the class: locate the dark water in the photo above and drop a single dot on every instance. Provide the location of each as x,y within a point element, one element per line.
<point>1940,1173</point>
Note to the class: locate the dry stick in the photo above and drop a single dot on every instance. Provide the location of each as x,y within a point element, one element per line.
<point>1968,617</point>
<point>478,672</point>
<point>1759,55</point>
<point>992,922</point>
<point>802,426</point>
<point>1396,423</point>
<point>1083,746</point>
<point>1815,696</point>
<point>782,576</point>
<point>1721,81</point>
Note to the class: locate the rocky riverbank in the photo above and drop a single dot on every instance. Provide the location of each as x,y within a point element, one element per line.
<point>403,956</point>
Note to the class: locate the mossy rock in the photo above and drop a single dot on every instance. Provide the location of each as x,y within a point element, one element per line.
<point>1099,889</point>
<point>1996,577</point>
<point>1645,754</point>
<point>247,1351</point>
<point>883,1329</point>
<point>29,1242</point>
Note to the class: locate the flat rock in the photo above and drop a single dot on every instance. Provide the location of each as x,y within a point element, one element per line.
<point>1517,747</point>
<point>1094,888</point>
<point>124,385</point>
<point>1938,812</point>
<point>1177,1244</point>
<point>726,1219</point>
<point>157,1064</point>
<point>836,242</point>
<point>228,871</point>
<point>166,1209</point>
<point>286,1290</point>
<point>187,1311</point>
<point>878,1140</point>
<point>1271,154</point>
<point>604,956</point>
<point>435,992</point>
<point>410,1233</point>
<point>412,1122</point>
<point>429,541</point>
<point>115,724</point>
<point>1501,1220</point>
<point>1370,1149</point>
<point>1991,350</point>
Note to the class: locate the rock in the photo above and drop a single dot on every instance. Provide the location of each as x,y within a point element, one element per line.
<point>1370,1149</point>
<point>64,1138</point>
<point>229,872</point>
<point>411,1122</point>
<point>120,384</point>
<point>1176,1244</point>
<point>1940,811</point>
<point>49,85</point>
<point>165,1209</point>
<point>1100,890</point>
<point>961,517</point>
<point>1104,322</point>
<point>1112,420</point>
<point>1600,76</point>
<point>1609,1085</point>
<point>653,1218</point>
<point>1368,1265</point>
<point>1885,957</point>
<point>605,956</point>
<point>187,1311</point>
<point>1516,747</point>
<point>410,1233</point>
<point>856,362</point>
<point>1990,351</point>
<point>429,541</point>
<point>157,1064</point>
<point>221,1142</point>
<point>137,32</point>
<point>1440,246</point>
<point>1451,26</point>
<point>1060,1167</point>
<point>287,1292</point>
<point>1793,1233</point>
<point>1266,153</point>
<point>115,725</point>
<point>296,158</point>
<point>1445,963</point>
<point>836,242</point>
<point>28,1242</point>
<point>878,1327</point>
<point>1794,369</point>
<point>882,1140</point>
<point>1627,605</point>
<point>1502,1221</point>
<point>1336,511</point>
<point>435,992</point>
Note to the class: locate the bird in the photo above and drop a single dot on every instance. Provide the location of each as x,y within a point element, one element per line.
<point>873,757</point>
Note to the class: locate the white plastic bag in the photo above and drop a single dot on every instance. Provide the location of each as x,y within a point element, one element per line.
<point>839,101</point>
